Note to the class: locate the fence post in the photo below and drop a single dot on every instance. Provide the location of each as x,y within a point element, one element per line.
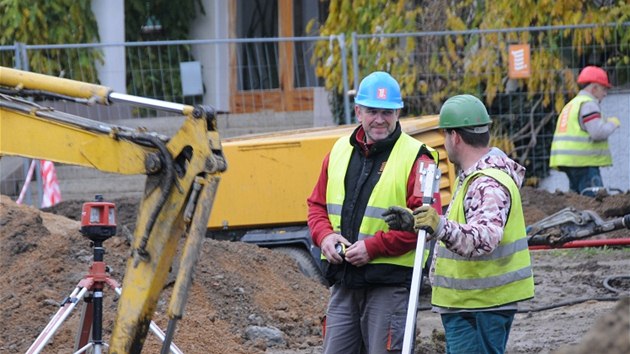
<point>17,62</point>
<point>21,57</point>
<point>21,63</point>
<point>355,61</point>
<point>344,69</point>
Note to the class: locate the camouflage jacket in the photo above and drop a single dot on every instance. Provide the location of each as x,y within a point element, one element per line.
<point>486,204</point>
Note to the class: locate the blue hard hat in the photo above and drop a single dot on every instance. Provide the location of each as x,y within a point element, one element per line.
<point>379,90</point>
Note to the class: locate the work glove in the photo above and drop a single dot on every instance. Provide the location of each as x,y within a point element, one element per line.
<point>614,120</point>
<point>399,218</point>
<point>426,218</point>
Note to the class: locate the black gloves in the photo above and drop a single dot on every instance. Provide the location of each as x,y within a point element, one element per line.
<point>399,218</point>
<point>423,218</point>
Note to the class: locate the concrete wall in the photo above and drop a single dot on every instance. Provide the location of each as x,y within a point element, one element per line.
<point>618,175</point>
<point>214,67</point>
<point>110,16</point>
<point>229,125</point>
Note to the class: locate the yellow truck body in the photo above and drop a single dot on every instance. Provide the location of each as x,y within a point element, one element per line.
<point>270,176</point>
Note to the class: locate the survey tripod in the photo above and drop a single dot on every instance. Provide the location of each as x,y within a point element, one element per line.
<point>97,224</point>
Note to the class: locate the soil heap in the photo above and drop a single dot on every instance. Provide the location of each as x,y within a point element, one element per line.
<point>240,290</point>
<point>237,287</point>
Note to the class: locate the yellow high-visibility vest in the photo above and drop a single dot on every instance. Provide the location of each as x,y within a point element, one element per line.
<point>391,189</point>
<point>501,277</point>
<point>571,145</point>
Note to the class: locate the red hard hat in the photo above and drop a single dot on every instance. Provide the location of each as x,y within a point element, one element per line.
<point>593,74</point>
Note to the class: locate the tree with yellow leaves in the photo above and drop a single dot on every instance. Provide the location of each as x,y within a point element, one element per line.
<point>474,57</point>
<point>559,49</point>
<point>379,53</point>
<point>556,52</point>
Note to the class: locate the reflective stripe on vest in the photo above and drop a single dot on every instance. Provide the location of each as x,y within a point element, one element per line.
<point>571,145</point>
<point>501,277</point>
<point>391,189</point>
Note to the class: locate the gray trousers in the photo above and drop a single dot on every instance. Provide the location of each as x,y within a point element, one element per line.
<point>365,321</point>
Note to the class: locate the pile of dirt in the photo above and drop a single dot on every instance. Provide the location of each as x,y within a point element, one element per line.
<point>538,204</point>
<point>237,289</point>
<point>247,299</point>
<point>610,334</point>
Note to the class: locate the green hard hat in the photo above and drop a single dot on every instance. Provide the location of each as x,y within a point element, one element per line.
<point>463,111</point>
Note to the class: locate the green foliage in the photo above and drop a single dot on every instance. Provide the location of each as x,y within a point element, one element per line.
<point>171,21</point>
<point>174,18</point>
<point>619,61</point>
<point>51,22</point>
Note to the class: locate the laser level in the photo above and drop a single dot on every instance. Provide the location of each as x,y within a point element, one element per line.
<point>98,219</point>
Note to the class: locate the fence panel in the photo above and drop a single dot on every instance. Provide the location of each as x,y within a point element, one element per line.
<point>253,79</point>
<point>276,75</point>
<point>237,75</point>
<point>524,110</point>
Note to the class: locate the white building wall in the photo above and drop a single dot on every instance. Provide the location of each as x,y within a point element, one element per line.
<point>618,175</point>
<point>215,61</point>
<point>110,16</point>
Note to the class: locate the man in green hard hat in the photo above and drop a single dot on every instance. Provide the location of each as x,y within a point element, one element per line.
<point>481,266</point>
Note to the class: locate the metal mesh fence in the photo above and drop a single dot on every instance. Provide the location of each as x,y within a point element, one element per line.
<point>523,111</point>
<point>249,76</point>
<point>236,75</point>
<point>262,75</point>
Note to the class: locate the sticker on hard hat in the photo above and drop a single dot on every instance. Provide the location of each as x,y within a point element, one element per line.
<point>381,93</point>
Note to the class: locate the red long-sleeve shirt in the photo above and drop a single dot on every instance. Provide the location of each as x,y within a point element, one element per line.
<point>383,243</point>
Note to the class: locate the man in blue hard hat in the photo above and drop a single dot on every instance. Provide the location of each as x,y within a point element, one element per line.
<point>368,266</point>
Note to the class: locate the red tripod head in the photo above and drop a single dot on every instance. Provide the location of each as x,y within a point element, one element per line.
<point>98,219</point>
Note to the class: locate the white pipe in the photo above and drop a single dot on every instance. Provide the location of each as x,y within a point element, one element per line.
<point>27,182</point>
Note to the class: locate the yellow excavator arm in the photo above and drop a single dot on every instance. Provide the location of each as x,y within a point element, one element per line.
<point>183,172</point>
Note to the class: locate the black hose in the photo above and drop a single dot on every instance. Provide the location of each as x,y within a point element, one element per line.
<point>167,182</point>
<point>41,93</point>
<point>610,287</point>
<point>568,303</point>
<point>606,283</point>
<point>552,306</point>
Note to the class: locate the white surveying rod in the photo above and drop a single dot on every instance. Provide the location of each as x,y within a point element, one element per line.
<point>429,176</point>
